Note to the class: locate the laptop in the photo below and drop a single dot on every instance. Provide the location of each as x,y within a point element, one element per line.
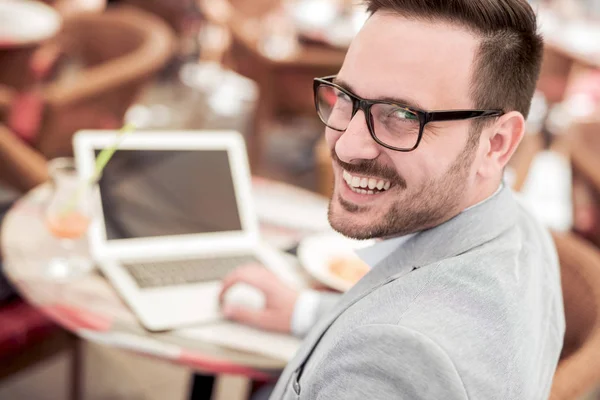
<point>175,217</point>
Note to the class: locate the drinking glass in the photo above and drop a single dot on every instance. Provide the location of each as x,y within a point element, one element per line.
<point>67,217</point>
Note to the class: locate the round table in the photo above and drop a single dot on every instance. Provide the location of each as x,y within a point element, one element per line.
<point>90,308</point>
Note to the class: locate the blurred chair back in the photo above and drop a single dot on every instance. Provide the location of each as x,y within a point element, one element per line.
<point>578,371</point>
<point>585,161</point>
<point>7,94</point>
<point>112,55</point>
<point>13,65</point>
<point>585,149</point>
<point>27,26</point>
<point>21,167</point>
<point>255,8</point>
<point>176,13</point>
<point>554,75</point>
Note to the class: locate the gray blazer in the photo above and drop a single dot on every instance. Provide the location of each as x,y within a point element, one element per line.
<point>471,309</point>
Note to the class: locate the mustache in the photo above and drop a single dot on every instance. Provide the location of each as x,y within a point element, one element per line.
<point>371,168</point>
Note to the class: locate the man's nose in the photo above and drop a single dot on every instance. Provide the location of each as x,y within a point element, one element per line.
<point>356,143</point>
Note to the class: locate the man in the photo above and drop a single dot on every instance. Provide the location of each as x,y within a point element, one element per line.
<point>463,300</point>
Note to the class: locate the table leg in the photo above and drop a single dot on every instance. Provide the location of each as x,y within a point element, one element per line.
<point>231,387</point>
<point>202,387</point>
<point>77,373</point>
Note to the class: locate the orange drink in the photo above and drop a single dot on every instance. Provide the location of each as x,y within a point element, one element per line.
<point>71,225</point>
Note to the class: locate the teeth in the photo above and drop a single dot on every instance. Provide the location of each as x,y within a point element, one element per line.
<point>347,177</point>
<point>359,185</point>
<point>361,191</point>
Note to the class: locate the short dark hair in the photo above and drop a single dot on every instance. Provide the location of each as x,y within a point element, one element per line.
<point>508,62</point>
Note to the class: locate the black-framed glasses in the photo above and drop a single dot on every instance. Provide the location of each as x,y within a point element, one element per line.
<point>392,125</point>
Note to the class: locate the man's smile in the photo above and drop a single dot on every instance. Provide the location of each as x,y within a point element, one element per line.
<point>365,185</point>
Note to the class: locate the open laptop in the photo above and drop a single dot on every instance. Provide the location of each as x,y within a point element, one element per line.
<point>176,216</point>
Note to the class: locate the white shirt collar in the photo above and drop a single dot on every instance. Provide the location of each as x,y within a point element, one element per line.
<point>374,254</point>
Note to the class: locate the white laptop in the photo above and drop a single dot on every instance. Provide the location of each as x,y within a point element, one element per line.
<point>176,216</point>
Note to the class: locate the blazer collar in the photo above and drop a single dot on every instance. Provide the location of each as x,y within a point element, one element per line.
<point>467,230</point>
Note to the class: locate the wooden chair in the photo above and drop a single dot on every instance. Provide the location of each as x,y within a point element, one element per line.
<point>120,50</point>
<point>7,94</point>
<point>578,371</point>
<point>554,76</point>
<point>176,13</point>
<point>585,162</point>
<point>103,72</point>
<point>14,62</point>
<point>108,58</point>
<point>16,55</point>
<point>21,166</point>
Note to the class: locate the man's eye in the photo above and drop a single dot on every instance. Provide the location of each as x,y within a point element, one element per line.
<point>343,96</point>
<point>403,114</point>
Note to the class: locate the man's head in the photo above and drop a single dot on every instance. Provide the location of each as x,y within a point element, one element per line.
<point>431,55</point>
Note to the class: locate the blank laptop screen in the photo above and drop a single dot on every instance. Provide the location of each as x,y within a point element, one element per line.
<point>149,193</point>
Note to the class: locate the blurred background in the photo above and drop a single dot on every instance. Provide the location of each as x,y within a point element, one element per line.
<point>247,65</point>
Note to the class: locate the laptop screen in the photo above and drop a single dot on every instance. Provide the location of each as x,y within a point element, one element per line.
<point>149,193</point>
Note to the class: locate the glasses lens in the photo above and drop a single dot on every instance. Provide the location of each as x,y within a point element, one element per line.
<point>334,107</point>
<point>395,126</point>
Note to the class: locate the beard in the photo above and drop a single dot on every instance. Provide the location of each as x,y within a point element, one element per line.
<point>435,202</point>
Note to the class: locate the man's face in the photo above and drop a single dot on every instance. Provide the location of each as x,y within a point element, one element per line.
<point>428,65</point>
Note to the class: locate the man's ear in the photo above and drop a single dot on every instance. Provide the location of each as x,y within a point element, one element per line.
<point>503,138</point>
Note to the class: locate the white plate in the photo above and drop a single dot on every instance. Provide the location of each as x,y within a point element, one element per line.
<point>26,21</point>
<point>316,252</point>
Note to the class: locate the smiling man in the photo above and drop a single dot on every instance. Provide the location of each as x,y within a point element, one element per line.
<point>463,300</point>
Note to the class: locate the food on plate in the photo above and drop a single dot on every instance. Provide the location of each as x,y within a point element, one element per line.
<point>350,269</point>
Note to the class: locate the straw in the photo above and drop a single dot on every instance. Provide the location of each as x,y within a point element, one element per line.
<point>106,154</point>
<point>101,160</point>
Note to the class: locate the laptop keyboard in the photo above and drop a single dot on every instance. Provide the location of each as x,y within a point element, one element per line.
<point>181,272</point>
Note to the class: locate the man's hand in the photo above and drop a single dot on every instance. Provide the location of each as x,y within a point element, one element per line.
<point>280,299</point>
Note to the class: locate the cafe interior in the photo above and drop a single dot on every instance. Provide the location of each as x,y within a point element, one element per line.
<point>242,66</point>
